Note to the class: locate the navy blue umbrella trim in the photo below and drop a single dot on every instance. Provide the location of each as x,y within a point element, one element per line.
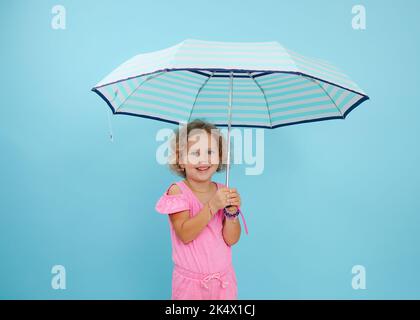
<point>364,98</point>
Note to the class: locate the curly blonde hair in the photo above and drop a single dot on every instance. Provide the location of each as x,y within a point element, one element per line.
<point>177,144</point>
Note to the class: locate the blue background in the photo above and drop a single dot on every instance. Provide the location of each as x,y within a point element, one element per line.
<point>333,194</point>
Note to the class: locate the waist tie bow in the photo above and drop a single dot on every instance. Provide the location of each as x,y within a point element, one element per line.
<point>216,275</point>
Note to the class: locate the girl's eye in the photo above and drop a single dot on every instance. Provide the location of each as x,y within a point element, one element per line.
<point>197,153</point>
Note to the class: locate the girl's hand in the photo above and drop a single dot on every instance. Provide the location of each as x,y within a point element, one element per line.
<point>235,198</point>
<point>224,197</point>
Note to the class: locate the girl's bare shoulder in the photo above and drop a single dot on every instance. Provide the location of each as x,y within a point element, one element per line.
<point>174,189</point>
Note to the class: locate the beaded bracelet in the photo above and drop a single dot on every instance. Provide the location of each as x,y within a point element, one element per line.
<point>231,215</point>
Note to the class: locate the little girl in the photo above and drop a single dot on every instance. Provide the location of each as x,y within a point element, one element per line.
<point>201,232</point>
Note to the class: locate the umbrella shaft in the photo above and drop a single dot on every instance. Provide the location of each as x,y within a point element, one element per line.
<point>229,121</point>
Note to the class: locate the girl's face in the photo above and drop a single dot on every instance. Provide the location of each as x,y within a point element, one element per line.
<point>202,156</point>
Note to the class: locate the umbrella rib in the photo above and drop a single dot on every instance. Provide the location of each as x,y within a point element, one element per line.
<point>147,79</point>
<point>332,100</point>
<point>265,98</point>
<point>198,92</point>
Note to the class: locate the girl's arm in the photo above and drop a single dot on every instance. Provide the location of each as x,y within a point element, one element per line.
<point>231,230</point>
<point>186,228</point>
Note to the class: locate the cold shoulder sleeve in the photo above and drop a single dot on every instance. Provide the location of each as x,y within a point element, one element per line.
<point>171,203</point>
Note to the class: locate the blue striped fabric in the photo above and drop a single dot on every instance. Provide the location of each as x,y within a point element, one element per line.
<point>272,86</point>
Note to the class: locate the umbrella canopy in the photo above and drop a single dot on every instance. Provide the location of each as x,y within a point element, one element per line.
<point>265,85</point>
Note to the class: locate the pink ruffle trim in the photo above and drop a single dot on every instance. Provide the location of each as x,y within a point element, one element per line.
<point>171,203</point>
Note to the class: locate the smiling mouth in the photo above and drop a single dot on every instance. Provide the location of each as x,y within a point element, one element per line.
<point>203,168</point>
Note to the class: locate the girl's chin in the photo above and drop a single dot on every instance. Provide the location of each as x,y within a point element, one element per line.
<point>203,176</point>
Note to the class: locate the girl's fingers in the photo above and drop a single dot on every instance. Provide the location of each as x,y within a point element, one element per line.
<point>230,197</point>
<point>224,191</point>
<point>224,194</point>
<point>235,200</point>
<point>236,203</point>
<point>231,201</point>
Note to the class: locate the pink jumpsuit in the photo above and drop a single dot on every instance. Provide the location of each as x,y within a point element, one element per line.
<point>203,268</point>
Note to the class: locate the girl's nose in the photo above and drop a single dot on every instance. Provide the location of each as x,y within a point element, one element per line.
<point>204,158</point>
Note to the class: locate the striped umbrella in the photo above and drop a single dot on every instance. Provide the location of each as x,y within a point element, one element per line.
<point>233,84</point>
